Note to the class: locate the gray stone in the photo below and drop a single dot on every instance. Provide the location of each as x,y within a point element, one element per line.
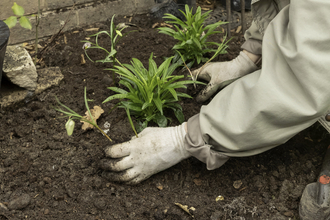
<point>48,77</point>
<point>20,202</point>
<point>19,68</point>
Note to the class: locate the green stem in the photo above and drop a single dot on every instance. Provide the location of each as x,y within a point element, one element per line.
<point>36,43</point>
<point>131,122</point>
<point>103,132</point>
<point>187,68</point>
<point>119,63</point>
<point>113,72</point>
<point>90,115</point>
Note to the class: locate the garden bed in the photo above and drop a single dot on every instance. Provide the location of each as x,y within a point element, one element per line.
<point>61,174</point>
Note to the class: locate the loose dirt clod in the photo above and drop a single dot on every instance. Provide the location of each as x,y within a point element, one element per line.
<point>20,202</point>
<point>237,184</point>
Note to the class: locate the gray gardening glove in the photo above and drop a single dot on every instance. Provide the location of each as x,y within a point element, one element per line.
<point>220,74</point>
<point>155,150</point>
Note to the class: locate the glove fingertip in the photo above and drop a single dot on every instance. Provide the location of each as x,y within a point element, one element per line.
<point>201,98</point>
<point>206,93</point>
<point>118,150</point>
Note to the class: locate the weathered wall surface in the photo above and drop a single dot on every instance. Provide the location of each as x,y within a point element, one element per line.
<point>56,12</point>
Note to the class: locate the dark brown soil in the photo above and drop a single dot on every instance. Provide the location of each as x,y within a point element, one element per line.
<point>61,176</point>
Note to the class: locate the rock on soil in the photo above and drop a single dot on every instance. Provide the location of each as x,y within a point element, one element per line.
<point>20,202</point>
<point>19,68</point>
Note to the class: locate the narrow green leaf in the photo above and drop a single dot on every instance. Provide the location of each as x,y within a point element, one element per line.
<point>174,106</point>
<point>198,59</point>
<point>130,121</point>
<point>183,95</point>
<point>128,85</point>
<point>173,92</point>
<point>150,96</point>
<point>198,14</point>
<point>177,47</point>
<point>152,68</point>
<point>167,33</point>
<point>150,117</point>
<point>87,107</point>
<point>98,33</point>
<point>161,120</point>
<point>118,90</point>
<point>132,106</point>
<point>190,64</point>
<point>162,69</point>
<point>197,43</point>
<point>112,27</point>
<point>166,30</point>
<point>189,41</point>
<point>112,53</point>
<point>116,96</point>
<point>142,126</point>
<point>146,105</point>
<point>64,106</point>
<point>179,115</point>
<point>159,105</point>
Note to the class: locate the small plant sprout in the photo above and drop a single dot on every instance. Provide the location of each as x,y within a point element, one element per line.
<point>150,91</point>
<point>18,14</point>
<point>69,125</point>
<point>192,36</point>
<point>24,22</point>
<point>115,35</point>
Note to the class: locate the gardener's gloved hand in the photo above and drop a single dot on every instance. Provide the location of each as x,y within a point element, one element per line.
<point>155,149</point>
<point>220,74</point>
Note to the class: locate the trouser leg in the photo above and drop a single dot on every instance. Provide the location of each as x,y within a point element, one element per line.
<point>266,108</point>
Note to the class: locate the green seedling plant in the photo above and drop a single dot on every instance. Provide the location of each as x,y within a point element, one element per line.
<point>115,34</point>
<point>24,22</point>
<point>221,49</point>
<point>150,91</point>
<point>18,15</point>
<point>192,35</point>
<point>72,115</point>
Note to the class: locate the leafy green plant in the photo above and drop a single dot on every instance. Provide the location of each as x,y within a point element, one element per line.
<point>115,34</point>
<point>192,36</point>
<point>150,91</point>
<point>18,14</point>
<point>69,125</point>
<point>217,52</point>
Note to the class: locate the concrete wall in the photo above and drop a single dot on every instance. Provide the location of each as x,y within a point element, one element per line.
<point>56,12</point>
